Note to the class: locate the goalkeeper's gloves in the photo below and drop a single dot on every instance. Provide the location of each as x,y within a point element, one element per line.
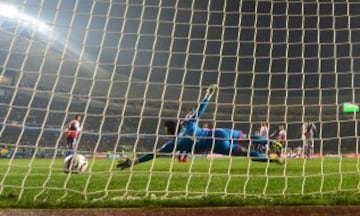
<point>210,91</point>
<point>124,164</point>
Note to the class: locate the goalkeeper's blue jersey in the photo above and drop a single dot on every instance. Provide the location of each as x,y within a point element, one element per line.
<point>219,141</point>
<point>194,139</point>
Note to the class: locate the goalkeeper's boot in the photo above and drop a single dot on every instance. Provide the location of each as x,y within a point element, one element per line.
<point>182,159</point>
<point>124,164</point>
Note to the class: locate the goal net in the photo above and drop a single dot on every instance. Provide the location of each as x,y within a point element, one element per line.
<point>129,66</point>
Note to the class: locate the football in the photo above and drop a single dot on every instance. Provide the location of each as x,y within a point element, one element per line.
<point>75,163</point>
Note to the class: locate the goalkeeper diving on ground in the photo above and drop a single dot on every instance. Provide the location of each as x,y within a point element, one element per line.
<point>191,138</point>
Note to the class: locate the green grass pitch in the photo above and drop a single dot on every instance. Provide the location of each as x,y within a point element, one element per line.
<point>165,182</point>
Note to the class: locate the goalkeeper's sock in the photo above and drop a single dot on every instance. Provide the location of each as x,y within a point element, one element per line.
<point>182,160</point>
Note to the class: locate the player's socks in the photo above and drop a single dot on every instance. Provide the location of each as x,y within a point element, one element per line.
<point>68,152</point>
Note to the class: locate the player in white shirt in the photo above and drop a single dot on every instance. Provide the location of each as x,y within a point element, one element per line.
<point>75,163</point>
<point>282,137</point>
<point>308,133</point>
<point>264,130</point>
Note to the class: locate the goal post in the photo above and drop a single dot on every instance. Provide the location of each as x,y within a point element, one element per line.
<point>129,66</point>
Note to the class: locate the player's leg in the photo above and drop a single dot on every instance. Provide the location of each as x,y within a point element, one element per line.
<point>227,142</point>
<point>260,142</point>
<point>221,143</point>
<point>70,145</point>
<point>239,150</point>
<point>68,161</point>
<point>312,146</point>
<point>307,154</point>
<point>277,146</point>
<point>307,150</point>
<point>269,146</point>
<point>260,157</point>
<point>235,144</point>
<point>181,156</point>
<point>304,147</point>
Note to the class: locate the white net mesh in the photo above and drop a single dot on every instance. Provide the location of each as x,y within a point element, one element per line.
<point>128,66</point>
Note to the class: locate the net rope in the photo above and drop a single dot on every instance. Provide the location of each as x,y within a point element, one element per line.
<point>128,66</point>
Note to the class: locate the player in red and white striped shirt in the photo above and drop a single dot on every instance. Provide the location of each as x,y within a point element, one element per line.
<point>72,131</point>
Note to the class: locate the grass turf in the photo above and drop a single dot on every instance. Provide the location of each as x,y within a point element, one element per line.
<point>38,183</point>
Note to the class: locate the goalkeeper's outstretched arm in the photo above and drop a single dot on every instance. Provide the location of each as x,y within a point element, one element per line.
<point>166,148</point>
<point>204,102</point>
<point>169,146</point>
